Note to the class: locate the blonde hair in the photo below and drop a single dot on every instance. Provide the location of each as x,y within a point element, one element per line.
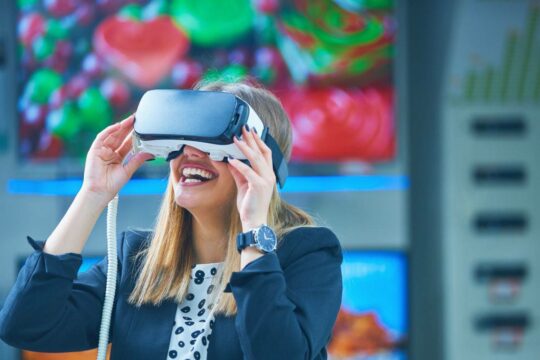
<point>165,269</point>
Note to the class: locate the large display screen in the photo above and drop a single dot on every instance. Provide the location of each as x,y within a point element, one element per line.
<point>85,64</point>
<point>372,323</point>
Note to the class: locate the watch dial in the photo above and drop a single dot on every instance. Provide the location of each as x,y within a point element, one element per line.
<point>266,238</point>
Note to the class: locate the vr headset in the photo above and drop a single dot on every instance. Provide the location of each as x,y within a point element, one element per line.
<point>168,120</point>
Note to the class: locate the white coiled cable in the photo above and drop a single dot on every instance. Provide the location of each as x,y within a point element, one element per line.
<point>110,287</point>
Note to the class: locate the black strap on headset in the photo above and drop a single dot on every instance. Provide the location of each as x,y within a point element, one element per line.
<point>278,161</point>
<point>279,164</point>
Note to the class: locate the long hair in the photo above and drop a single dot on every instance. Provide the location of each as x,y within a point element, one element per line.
<point>165,264</point>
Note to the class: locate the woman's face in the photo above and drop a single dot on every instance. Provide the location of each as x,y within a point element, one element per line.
<point>200,183</point>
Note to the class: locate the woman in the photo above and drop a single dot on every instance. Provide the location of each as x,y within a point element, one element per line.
<point>184,290</point>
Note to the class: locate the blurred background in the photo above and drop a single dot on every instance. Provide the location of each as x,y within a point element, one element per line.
<point>416,139</point>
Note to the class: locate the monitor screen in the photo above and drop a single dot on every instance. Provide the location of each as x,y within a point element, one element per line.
<point>372,322</point>
<point>84,65</point>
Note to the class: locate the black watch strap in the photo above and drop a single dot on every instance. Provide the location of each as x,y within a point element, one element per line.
<point>244,240</point>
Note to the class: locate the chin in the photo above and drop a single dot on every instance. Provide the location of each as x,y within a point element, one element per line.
<point>210,200</point>
<point>190,204</point>
<point>199,203</point>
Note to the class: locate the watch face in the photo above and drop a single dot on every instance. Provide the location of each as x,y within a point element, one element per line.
<point>266,239</point>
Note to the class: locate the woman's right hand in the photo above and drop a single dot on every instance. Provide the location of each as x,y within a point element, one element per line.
<point>104,171</point>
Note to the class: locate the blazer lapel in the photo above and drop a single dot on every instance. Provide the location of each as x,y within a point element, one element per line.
<point>150,332</point>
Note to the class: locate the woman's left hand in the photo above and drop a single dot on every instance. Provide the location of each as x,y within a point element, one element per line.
<point>255,184</point>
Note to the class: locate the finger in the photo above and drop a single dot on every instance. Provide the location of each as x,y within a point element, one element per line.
<point>260,145</point>
<point>238,177</point>
<point>264,149</point>
<point>257,161</point>
<point>107,155</point>
<point>126,145</point>
<point>248,173</point>
<point>111,129</point>
<point>247,136</point>
<point>135,162</point>
<point>115,139</point>
<point>98,142</point>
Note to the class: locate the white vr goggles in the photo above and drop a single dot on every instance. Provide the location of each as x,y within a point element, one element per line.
<point>167,120</point>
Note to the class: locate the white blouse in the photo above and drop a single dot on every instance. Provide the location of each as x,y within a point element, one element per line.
<point>194,320</point>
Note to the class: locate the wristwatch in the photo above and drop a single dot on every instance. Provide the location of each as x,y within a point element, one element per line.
<point>263,238</point>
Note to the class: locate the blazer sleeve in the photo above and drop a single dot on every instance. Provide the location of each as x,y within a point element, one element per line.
<point>50,308</point>
<point>289,313</point>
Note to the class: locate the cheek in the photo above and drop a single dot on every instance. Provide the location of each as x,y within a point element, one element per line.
<point>226,178</point>
<point>174,176</point>
<point>227,186</point>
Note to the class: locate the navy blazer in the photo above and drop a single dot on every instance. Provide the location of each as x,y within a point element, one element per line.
<point>287,303</point>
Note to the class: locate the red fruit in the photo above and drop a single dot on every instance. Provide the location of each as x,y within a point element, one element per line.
<point>269,66</point>
<point>28,60</point>
<point>85,14</point>
<point>268,56</point>
<point>341,124</point>
<point>60,57</point>
<point>34,115</point>
<point>240,56</point>
<point>93,66</point>
<point>144,52</point>
<point>56,63</point>
<point>115,91</point>
<point>30,27</point>
<point>109,6</point>
<point>59,8</point>
<point>33,118</point>
<point>267,6</point>
<point>77,85</point>
<point>186,73</point>
<point>64,49</point>
<point>58,97</point>
<point>49,147</point>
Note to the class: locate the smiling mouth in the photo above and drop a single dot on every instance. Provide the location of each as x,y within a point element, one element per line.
<point>195,176</point>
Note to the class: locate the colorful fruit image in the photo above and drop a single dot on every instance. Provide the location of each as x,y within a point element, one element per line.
<point>213,22</point>
<point>144,52</point>
<point>94,109</point>
<point>85,64</point>
<point>42,84</point>
<point>64,122</point>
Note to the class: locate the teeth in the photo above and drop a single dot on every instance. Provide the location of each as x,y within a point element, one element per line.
<point>194,171</point>
<point>192,181</point>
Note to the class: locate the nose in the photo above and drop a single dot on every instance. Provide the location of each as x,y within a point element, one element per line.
<point>190,151</point>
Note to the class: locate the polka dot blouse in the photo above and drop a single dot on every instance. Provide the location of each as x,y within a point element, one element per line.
<point>194,321</point>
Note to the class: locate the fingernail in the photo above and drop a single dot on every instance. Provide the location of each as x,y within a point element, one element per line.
<point>255,130</point>
<point>247,127</point>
